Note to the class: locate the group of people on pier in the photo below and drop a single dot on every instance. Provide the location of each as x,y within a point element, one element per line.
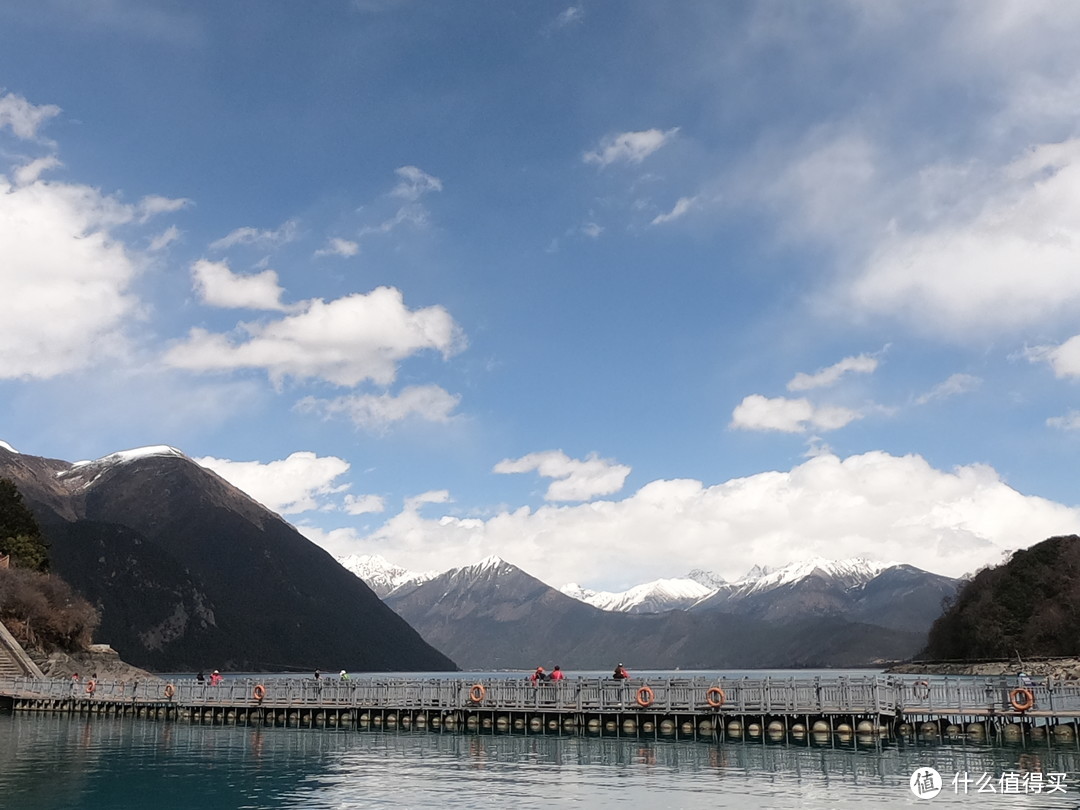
<point>541,675</point>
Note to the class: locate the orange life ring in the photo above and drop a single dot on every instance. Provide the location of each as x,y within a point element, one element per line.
<point>90,687</point>
<point>715,696</point>
<point>1027,701</point>
<point>645,696</point>
<point>259,691</point>
<point>921,689</point>
<point>477,692</point>
<point>170,690</point>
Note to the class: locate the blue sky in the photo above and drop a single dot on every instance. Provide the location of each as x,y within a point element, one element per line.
<point>611,290</point>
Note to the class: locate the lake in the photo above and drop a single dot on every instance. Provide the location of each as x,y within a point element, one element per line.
<point>54,762</point>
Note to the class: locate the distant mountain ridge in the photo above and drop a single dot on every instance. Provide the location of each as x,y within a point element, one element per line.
<point>494,615</point>
<point>191,573</point>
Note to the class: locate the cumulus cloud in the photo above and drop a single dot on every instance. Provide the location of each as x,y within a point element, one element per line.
<point>218,286</point>
<point>1063,359</point>
<point>757,412</point>
<point>681,207</point>
<point>413,504</point>
<point>875,505</point>
<point>629,147</point>
<point>862,364</point>
<point>265,239</point>
<point>339,247</point>
<point>364,504</point>
<point>343,341</point>
<point>414,183</point>
<point>376,412</point>
<point>291,485</point>
<point>955,385</point>
<point>29,172</point>
<point>576,479</point>
<point>66,279</point>
<point>22,117</point>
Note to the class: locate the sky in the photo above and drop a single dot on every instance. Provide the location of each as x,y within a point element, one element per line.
<point>612,290</point>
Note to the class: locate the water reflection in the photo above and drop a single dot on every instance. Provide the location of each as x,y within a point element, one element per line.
<point>97,763</point>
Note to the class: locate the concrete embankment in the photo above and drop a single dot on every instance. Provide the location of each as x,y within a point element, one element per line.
<point>1057,668</point>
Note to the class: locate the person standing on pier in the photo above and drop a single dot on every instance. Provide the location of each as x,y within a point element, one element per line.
<point>539,676</point>
<point>557,674</point>
<point>317,674</point>
<point>620,673</point>
<point>344,675</point>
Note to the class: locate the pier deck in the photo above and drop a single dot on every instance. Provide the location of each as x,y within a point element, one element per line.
<point>708,707</point>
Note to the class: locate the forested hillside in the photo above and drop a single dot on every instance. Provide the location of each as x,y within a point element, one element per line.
<point>1029,606</point>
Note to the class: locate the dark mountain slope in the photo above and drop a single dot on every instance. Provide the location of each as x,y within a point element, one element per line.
<point>190,572</point>
<point>1030,606</point>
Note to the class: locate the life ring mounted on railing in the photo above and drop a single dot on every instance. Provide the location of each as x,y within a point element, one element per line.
<point>259,692</point>
<point>715,696</point>
<point>477,693</point>
<point>645,697</point>
<point>91,687</point>
<point>170,690</point>
<point>921,689</point>
<point>1021,699</point>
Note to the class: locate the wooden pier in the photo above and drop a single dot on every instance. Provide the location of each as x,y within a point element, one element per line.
<point>701,708</point>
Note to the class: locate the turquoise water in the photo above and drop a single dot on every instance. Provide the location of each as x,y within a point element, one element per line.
<point>54,762</point>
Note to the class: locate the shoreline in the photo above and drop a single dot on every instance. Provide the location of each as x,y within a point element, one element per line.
<point>1057,668</point>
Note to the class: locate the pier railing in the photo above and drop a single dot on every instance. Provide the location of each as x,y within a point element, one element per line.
<point>871,695</point>
<point>991,696</point>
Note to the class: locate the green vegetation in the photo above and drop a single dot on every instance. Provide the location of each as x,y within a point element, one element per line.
<point>41,610</point>
<point>1030,606</point>
<point>20,535</point>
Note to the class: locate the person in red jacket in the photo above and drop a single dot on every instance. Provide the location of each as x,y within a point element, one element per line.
<point>620,673</point>
<point>557,674</point>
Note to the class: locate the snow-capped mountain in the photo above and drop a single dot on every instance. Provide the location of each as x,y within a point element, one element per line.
<point>651,597</point>
<point>850,573</point>
<point>382,576</point>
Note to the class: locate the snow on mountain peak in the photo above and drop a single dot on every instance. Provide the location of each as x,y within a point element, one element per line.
<point>851,572</point>
<point>381,575</point>
<point>650,597</point>
<point>9,448</point>
<point>134,454</point>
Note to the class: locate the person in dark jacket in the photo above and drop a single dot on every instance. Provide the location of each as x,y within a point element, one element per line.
<point>620,673</point>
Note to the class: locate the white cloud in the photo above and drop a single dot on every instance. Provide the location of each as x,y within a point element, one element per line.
<point>30,172</point>
<point>165,238</point>
<point>681,207</point>
<point>861,364</point>
<point>290,485</point>
<point>411,214</point>
<point>218,286</point>
<point>364,504</point>
<point>22,117</point>
<point>757,412</point>
<point>430,403</point>
<point>1063,359</point>
<point>569,16</point>
<point>629,147</point>
<point>65,278</point>
<point>339,247</point>
<point>875,505</point>
<point>266,239</point>
<point>592,230</point>
<point>413,504</point>
<point>576,479</point>
<point>344,341</point>
<point>414,183</point>
<point>955,385</point>
<point>1070,421</point>
<point>152,205</point>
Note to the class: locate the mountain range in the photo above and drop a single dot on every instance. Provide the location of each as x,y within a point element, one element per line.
<point>815,613</point>
<point>190,573</point>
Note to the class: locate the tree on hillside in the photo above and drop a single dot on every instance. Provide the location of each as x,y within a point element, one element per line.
<point>20,535</point>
